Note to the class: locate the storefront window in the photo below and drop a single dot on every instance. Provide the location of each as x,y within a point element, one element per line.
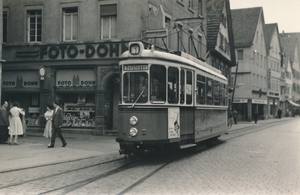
<point>135,87</point>
<point>158,84</point>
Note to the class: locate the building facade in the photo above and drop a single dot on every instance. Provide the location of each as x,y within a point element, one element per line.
<point>220,43</point>
<point>69,50</point>
<point>290,45</point>
<point>251,72</point>
<point>274,70</point>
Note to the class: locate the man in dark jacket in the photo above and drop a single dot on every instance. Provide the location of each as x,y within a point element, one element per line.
<point>4,123</point>
<point>57,121</point>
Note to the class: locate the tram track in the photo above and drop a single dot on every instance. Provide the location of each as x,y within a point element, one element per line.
<point>46,176</point>
<point>45,165</point>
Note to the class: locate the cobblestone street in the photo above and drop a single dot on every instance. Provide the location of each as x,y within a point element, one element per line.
<point>263,161</point>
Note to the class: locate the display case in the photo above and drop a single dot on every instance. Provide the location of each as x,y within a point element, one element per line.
<point>79,115</point>
<point>33,119</point>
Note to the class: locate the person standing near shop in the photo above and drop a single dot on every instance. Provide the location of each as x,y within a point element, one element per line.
<point>48,116</point>
<point>255,116</point>
<point>235,116</point>
<point>4,123</point>
<point>57,121</point>
<point>279,112</point>
<point>15,124</point>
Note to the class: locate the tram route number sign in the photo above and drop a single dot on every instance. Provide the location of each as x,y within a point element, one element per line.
<point>149,34</point>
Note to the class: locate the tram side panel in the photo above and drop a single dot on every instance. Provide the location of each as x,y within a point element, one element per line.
<point>209,123</point>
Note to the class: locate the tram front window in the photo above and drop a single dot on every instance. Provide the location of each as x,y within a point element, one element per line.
<point>158,84</point>
<point>135,87</point>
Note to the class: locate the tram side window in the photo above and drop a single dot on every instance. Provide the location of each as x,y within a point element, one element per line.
<point>222,94</point>
<point>135,87</point>
<point>173,85</point>
<point>209,91</point>
<point>158,84</point>
<point>182,86</point>
<point>216,95</point>
<point>188,87</point>
<point>201,89</point>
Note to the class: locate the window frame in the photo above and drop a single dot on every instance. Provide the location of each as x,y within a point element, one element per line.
<point>63,23</point>
<point>5,25</point>
<point>101,21</point>
<point>28,28</point>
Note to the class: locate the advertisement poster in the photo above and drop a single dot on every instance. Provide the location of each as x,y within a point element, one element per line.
<point>173,123</point>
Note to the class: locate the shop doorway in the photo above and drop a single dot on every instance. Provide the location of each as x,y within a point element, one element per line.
<point>112,103</point>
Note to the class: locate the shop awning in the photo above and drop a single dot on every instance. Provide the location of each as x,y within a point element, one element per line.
<point>293,103</point>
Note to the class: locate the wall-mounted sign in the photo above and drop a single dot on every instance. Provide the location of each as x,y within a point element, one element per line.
<point>256,101</point>
<point>78,51</point>
<point>20,79</point>
<point>240,101</point>
<point>75,78</point>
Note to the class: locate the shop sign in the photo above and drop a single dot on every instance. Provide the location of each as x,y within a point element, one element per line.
<point>75,78</point>
<point>20,79</point>
<point>240,101</point>
<point>256,101</point>
<point>75,51</point>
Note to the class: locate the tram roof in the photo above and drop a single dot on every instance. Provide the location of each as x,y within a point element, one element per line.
<point>147,53</point>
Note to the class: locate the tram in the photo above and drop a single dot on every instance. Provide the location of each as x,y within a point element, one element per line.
<point>168,100</point>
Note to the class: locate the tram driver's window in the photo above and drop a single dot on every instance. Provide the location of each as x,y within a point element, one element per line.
<point>216,89</point>
<point>135,87</point>
<point>201,89</point>
<point>173,85</point>
<point>182,87</point>
<point>188,87</point>
<point>158,84</point>
<point>209,92</point>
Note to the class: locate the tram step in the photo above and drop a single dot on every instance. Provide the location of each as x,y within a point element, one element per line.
<point>187,146</point>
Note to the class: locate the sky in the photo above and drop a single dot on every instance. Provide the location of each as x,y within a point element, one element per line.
<point>286,13</point>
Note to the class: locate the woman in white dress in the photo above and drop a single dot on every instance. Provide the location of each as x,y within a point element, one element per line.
<point>15,124</point>
<point>48,116</point>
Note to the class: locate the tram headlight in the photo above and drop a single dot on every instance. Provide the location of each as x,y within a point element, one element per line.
<point>133,120</point>
<point>133,132</point>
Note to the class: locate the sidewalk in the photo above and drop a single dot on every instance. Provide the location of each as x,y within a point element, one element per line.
<point>32,149</point>
<point>246,124</point>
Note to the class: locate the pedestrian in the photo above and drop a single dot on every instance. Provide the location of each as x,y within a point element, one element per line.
<point>24,126</point>
<point>230,119</point>
<point>4,123</point>
<point>57,121</point>
<point>235,115</point>
<point>255,116</point>
<point>15,124</point>
<point>279,112</point>
<point>48,128</point>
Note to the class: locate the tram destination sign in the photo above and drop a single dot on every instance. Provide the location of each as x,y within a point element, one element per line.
<point>135,67</point>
